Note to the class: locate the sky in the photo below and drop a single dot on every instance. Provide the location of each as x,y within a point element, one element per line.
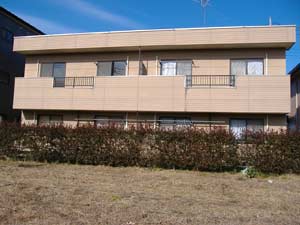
<point>74,16</point>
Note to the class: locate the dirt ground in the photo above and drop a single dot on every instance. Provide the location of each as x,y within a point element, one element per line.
<point>33,193</point>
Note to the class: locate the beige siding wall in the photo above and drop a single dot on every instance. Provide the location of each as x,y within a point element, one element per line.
<point>205,62</point>
<point>252,94</point>
<point>271,121</point>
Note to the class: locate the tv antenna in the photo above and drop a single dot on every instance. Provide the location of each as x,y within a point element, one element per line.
<point>204,4</point>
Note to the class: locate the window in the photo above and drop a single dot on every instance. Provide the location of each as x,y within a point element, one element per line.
<point>101,121</point>
<point>53,70</point>
<point>179,67</point>
<point>239,126</point>
<point>6,35</point>
<point>2,117</point>
<point>247,67</point>
<point>173,122</point>
<point>50,120</point>
<point>4,77</point>
<point>114,68</point>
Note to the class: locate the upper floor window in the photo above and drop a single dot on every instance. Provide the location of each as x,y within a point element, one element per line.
<point>111,68</point>
<point>247,67</point>
<point>6,35</point>
<point>53,70</point>
<point>173,68</point>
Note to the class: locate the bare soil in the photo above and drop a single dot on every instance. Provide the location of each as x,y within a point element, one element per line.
<point>34,193</point>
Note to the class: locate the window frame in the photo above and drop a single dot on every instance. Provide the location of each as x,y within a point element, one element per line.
<point>52,69</point>
<point>174,119</point>
<point>112,68</point>
<point>176,68</point>
<point>247,60</point>
<point>247,120</point>
<point>109,118</point>
<point>50,121</point>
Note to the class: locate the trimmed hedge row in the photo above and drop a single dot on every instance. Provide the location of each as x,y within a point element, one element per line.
<point>195,149</point>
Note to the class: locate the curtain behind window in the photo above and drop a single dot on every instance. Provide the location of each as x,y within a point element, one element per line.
<point>168,68</point>
<point>238,127</point>
<point>255,67</point>
<point>238,67</point>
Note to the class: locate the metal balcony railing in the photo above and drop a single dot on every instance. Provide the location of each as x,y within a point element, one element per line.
<point>210,80</point>
<point>73,82</point>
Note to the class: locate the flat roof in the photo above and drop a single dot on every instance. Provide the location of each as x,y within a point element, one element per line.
<point>159,29</point>
<point>279,36</point>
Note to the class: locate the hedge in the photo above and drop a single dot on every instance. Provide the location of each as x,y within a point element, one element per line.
<point>191,148</point>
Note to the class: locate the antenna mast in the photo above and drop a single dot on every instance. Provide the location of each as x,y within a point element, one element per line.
<point>204,4</point>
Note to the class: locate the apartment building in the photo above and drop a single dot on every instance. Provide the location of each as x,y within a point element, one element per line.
<point>294,116</point>
<point>11,63</point>
<point>228,76</point>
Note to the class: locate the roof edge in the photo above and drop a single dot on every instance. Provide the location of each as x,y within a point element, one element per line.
<point>163,29</point>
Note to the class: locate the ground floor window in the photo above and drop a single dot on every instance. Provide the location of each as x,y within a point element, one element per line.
<point>50,120</point>
<point>1,118</point>
<point>239,126</point>
<point>101,121</point>
<point>174,122</point>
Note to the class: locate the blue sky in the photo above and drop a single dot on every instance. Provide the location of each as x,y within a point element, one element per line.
<point>65,16</point>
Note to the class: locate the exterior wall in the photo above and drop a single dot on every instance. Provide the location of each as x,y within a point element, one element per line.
<point>252,94</point>
<point>294,115</point>
<point>11,63</point>
<point>205,62</point>
<point>271,121</point>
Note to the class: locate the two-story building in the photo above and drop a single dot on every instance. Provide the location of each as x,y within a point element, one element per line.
<point>227,76</point>
<point>11,63</point>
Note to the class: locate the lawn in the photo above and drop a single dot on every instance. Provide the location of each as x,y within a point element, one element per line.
<point>33,193</point>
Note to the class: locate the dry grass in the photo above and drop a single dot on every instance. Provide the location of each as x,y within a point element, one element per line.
<point>32,193</point>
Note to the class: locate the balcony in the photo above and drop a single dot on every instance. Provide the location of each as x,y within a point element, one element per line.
<point>210,81</point>
<point>224,93</point>
<point>73,82</point>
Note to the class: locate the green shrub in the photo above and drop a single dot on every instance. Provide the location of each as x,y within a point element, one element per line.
<point>217,150</point>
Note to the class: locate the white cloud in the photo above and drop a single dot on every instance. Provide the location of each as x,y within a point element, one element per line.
<point>99,13</point>
<point>47,26</point>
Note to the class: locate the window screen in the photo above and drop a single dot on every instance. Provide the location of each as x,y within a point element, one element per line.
<point>184,68</point>
<point>119,68</point>
<point>238,67</point>
<point>180,67</point>
<point>104,68</point>
<point>46,70</point>
<point>59,70</point>
<point>53,70</point>
<point>113,68</point>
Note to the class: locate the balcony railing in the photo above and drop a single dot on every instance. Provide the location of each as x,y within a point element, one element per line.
<point>73,82</point>
<point>210,80</point>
